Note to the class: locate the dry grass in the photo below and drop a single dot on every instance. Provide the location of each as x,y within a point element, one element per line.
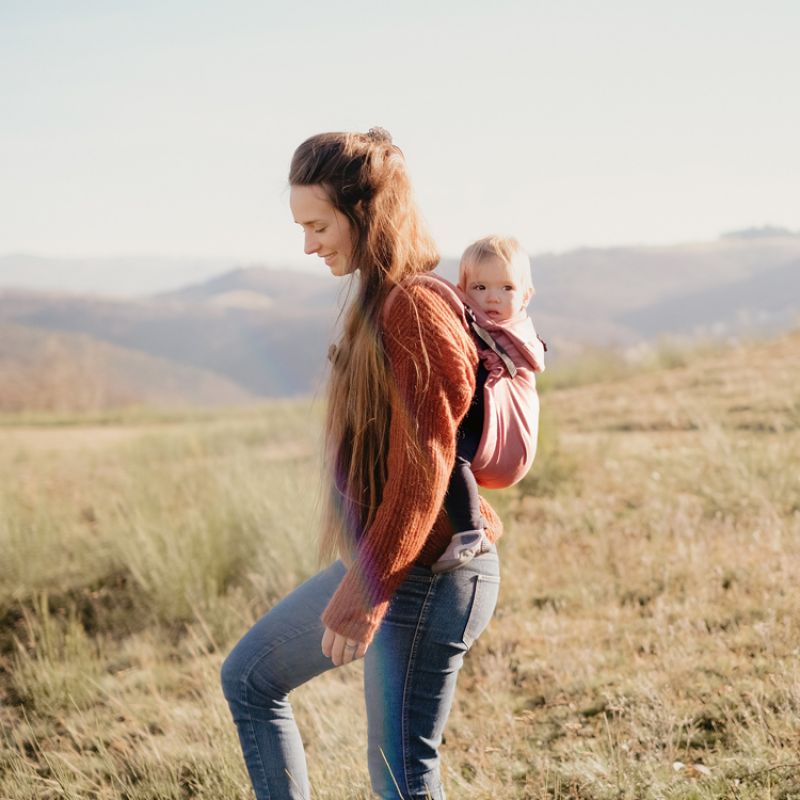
<point>646,644</point>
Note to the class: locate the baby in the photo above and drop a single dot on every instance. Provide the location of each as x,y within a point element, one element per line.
<point>495,276</point>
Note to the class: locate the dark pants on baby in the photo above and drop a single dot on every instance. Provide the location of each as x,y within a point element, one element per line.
<point>462,502</point>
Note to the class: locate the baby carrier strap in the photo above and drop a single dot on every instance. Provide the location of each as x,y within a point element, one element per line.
<point>494,346</point>
<point>456,300</point>
<point>511,405</point>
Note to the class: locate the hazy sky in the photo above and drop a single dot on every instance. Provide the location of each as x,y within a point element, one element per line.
<point>167,127</point>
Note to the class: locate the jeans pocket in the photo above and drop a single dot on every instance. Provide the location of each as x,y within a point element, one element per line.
<point>484,598</point>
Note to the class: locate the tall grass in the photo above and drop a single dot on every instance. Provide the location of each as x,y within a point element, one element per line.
<point>644,647</point>
<point>58,666</point>
<point>554,466</point>
<point>201,529</point>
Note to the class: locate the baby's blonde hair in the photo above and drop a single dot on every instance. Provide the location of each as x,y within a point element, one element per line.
<point>507,249</point>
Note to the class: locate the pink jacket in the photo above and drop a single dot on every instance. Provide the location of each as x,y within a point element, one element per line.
<point>511,402</point>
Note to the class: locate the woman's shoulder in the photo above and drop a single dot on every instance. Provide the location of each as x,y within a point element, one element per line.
<point>424,300</point>
<point>428,346</point>
<point>421,330</point>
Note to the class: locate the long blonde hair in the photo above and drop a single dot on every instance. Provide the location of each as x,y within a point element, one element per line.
<point>365,178</point>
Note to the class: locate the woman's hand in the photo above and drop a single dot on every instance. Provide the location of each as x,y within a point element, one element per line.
<point>340,649</point>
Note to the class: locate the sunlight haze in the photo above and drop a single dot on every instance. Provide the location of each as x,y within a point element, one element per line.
<point>167,129</point>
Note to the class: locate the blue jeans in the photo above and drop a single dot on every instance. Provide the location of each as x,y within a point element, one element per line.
<point>410,672</point>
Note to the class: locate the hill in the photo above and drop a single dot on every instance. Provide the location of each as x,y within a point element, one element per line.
<point>644,645</point>
<point>763,303</point>
<point>268,348</point>
<point>267,331</point>
<point>121,277</point>
<point>45,371</point>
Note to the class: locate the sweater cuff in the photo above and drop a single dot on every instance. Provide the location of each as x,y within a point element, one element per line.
<point>350,613</point>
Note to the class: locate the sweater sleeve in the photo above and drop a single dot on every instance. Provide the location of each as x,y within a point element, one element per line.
<point>427,406</point>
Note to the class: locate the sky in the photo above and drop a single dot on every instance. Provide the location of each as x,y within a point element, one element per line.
<point>166,128</point>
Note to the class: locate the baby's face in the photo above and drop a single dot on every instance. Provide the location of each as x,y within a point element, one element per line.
<point>494,288</point>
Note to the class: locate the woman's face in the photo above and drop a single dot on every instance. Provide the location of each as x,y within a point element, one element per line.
<point>328,232</point>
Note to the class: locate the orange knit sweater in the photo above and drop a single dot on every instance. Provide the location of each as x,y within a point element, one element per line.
<point>410,526</point>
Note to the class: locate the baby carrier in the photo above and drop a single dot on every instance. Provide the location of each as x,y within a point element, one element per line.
<point>512,353</point>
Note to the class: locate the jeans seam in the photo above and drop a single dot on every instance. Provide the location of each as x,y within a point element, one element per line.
<point>409,669</point>
<point>493,580</point>
<point>254,745</point>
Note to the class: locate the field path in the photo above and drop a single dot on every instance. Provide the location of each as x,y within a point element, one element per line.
<point>56,439</point>
<point>50,438</point>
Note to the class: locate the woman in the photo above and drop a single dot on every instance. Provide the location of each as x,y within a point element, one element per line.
<point>400,384</point>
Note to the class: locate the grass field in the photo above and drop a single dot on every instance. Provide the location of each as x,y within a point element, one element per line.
<point>646,644</point>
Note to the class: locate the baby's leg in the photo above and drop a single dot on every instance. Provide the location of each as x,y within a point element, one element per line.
<point>462,505</point>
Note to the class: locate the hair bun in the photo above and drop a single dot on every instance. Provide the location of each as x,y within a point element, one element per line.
<point>379,135</point>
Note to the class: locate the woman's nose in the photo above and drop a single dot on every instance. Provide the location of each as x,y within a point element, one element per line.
<point>311,245</point>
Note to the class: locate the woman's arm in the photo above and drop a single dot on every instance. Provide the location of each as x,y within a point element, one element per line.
<point>427,408</point>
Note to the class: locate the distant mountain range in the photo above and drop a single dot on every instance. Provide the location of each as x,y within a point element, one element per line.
<point>111,277</point>
<point>258,332</point>
<point>56,371</point>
